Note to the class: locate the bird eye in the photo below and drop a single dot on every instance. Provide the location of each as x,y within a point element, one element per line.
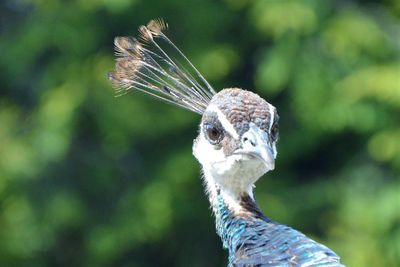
<point>275,132</point>
<point>213,134</point>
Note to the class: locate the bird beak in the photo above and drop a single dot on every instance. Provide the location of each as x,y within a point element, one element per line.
<point>256,143</point>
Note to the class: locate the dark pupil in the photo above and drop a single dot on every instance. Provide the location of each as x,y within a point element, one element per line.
<point>213,133</point>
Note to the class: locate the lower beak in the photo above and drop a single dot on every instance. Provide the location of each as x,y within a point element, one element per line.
<point>263,153</point>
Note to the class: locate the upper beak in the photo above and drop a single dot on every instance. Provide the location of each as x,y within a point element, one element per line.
<point>255,142</point>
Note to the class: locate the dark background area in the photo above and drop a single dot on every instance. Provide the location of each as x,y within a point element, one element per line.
<point>90,179</point>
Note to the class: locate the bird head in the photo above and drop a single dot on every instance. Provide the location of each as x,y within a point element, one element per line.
<point>236,144</point>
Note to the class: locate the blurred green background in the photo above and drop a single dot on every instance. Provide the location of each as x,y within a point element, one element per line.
<point>89,179</point>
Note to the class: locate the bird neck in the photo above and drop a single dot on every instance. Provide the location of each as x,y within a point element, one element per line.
<point>230,190</point>
<point>233,225</point>
<point>234,199</point>
<point>236,214</point>
<point>244,207</point>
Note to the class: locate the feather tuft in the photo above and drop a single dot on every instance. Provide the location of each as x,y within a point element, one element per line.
<point>154,65</point>
<point>145,34</point>
<point>157,26</point>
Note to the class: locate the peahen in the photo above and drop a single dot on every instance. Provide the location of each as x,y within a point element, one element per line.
<point>236,145</point>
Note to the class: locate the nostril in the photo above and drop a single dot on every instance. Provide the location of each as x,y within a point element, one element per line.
<point>245,139</point>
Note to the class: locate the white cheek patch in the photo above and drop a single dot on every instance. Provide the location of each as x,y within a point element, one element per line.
<point>271,116</point>
<point>235,174</point>
<point>271,122</point>
<point>224,121</point>
<point>206,153</point>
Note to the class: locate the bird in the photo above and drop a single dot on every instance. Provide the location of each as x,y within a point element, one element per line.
<point>236,145</point>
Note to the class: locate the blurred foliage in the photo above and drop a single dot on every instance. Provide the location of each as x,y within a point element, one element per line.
<point>87,179</point>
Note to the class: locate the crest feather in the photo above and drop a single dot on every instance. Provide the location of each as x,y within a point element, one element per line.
<point>145,65</point>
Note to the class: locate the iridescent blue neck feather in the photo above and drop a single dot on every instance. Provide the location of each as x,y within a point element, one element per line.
<point>252,239</point>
